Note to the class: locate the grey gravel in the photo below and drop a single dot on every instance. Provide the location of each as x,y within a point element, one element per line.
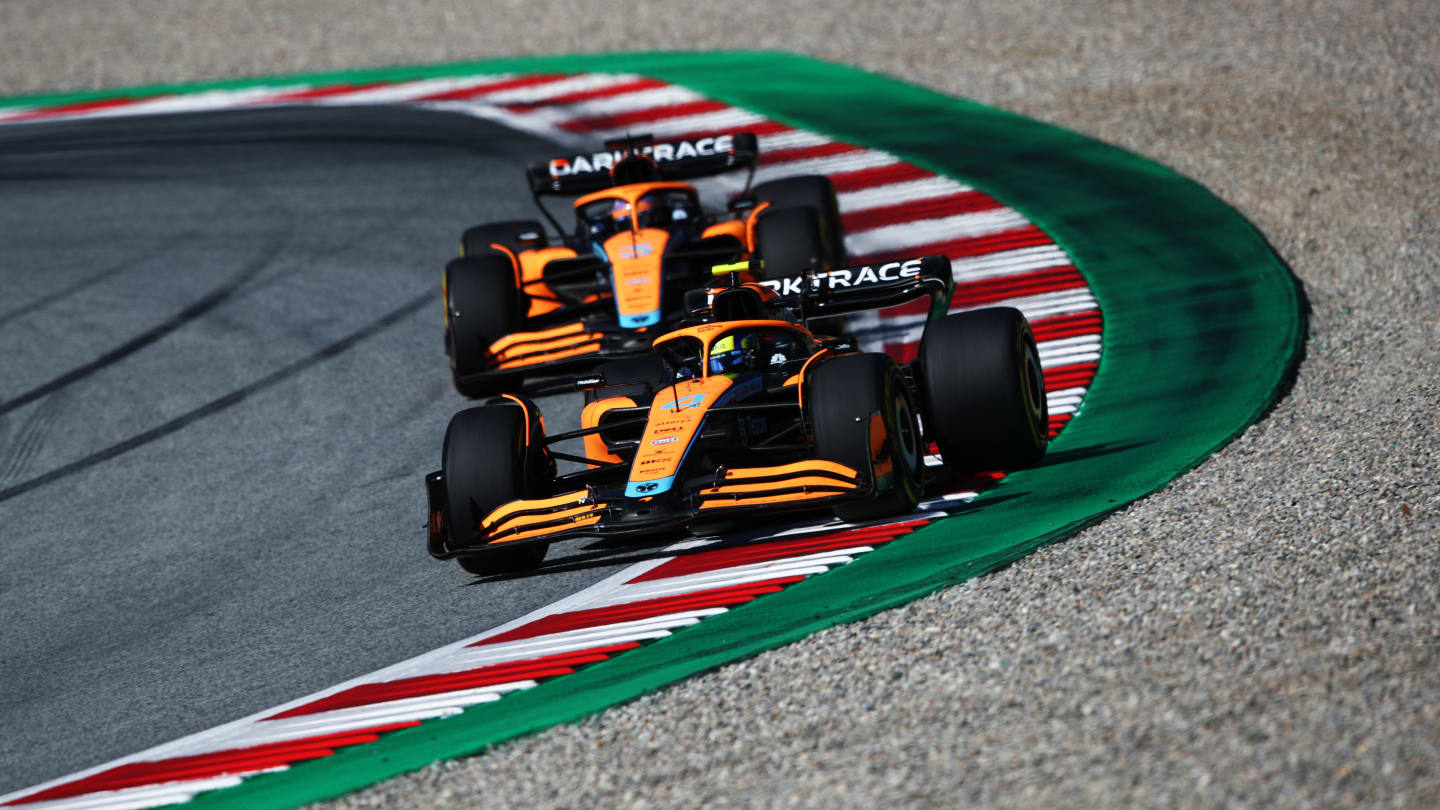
<point>1263,632</point>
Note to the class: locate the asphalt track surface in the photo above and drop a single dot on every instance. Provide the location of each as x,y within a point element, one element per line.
<point>223,384</point>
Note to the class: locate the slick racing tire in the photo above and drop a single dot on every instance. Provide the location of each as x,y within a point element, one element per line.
<point>484,465</point>
<point>984,390</point>
<point>842,396</point>
<point>809,191</point>
<point>788,241</point>
<point>516,234</point>
<point>481,306</point>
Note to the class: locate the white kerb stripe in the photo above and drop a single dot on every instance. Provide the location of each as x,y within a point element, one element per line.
<point>409,91</point>
<point>144,796</point>
<point>198,102</point>
<point>791,139</point>
<point>848,162</point>
<point>676,587</point>
<point>815,557</point>
<point>479,658</point>
<point>654,98</point>
<point>728,119</point>
<point>896,193</point>
<point>891,238</point>
<point>574,84</point>
<point>1008,262</point>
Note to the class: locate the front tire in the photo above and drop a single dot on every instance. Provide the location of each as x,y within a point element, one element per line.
<point>515,234</point>
<point>844,394</point>
<point>984,390</point>
<point>486,463</point>
<point>482,305</point>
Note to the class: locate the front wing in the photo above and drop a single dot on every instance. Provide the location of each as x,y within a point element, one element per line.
<point>601,511</point>
<point>558,351</point>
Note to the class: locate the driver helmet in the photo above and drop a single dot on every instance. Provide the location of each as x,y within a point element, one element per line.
<point>621,212</point>
<point>735,353</point>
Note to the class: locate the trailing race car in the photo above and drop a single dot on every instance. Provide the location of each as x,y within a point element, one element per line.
<point>520,305</point>
<point>743,412</point>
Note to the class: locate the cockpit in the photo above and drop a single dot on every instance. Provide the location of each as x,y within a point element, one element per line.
<point>750,346</point>
<point>605,214</point>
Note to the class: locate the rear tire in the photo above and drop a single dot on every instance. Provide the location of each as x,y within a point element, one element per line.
<point>485,465</point>
<point>843,394</point>
<point>813,191</point>
<point>788,241</point>
<point>477,240</point>
<point>984,390</point>
<point>481,306</point>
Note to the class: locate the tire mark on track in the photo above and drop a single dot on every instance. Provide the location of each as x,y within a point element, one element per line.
<point>211,300</point>
<point>31,435</point>
<point>227,401</point>
<point>97,277</point>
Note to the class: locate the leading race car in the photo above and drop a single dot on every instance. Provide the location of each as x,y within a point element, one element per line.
<point>743,412</point>
<point>522,306</point>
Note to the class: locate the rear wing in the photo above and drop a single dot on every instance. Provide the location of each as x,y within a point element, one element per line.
<point>871,286</point>
<point>572,175</point>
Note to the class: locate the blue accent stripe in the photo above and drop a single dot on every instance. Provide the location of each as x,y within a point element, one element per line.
<point>637,321</point>
<point>641,489</point>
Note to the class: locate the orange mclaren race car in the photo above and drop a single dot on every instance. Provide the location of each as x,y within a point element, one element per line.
<point>743,412</point>
<point>522,306</point>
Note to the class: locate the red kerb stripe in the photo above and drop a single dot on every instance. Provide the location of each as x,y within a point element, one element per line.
<point>1063,326</point>
<point>462,93</point>
<point>764,552</point>
<point>523,670</point>
<point>761,128</point>
<point>878,176</point>
<point>320,92</point>
<point>991,290</point>
<point>212,764</point>
<point>1029,236</point>
<point>807,153</point>
<point>70,109</point>
<point>614,614</point>
<point>964,202</point>
<point>589,95</point>
<point>619,120</point>
<point>1074,375</point>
